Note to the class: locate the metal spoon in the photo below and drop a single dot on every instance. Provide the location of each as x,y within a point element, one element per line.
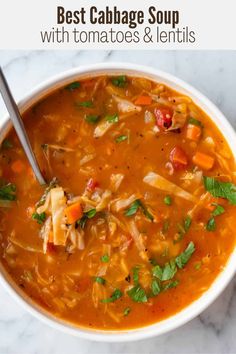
<point>19,126</point>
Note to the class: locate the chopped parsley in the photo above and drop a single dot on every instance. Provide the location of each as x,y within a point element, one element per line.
<point>220,189</point>
<point>105,258</point>
<point>112,118</point>
<point>183,229</point>
<point>87,215</point>
<point>40,218</point>
<point>91,118</point>
<point>100,280</point>
<point>170,268</point>
<point>134,208</point>
<point>119,81</point>
<point>194,121</point>
<point>121,138</point>
<point>86,104</point>
<point>155,286</point>
<point>137,294</point>
<point>211,224</point>
<point>185,256</point>
<point>73,86</point>
<point>114,296</point>
<point>170,285</point>
<point>91,213</point>
<point>187,223</point>
<point>136,275</point>
<point>168,200</point>
<point>8,192</point>
<point>218,210</point>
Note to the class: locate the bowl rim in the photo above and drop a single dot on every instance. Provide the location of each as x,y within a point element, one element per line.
<point>221,281</point>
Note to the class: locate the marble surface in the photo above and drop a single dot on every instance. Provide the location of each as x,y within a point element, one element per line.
<point>214,73</point>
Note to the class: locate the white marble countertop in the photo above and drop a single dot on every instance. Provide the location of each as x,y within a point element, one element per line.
<point>213,73</point>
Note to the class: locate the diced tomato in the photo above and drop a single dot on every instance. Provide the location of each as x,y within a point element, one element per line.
<point>163,117</point>
<point>92,184</point>
<point>83,285</point>
<point>178,157</point>
<point>51,248</point>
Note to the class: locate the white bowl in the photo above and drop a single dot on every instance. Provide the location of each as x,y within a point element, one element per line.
<point>223,278</point>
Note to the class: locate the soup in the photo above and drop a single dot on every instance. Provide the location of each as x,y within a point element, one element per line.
<point>138,216</point>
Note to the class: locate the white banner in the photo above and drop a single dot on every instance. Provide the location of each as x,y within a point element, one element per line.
<point>120,24</point>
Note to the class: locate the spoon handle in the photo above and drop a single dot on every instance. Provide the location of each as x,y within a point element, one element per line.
<point>19,126</point>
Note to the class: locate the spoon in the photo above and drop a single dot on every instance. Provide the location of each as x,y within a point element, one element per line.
<point>19,126</point>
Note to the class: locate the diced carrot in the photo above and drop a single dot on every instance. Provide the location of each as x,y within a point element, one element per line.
<point>143,100</point>
<point>17,166</point>
<point>178,157</point>
<point>193,132</point>
<point>73,213</point>
<point>203,160</point>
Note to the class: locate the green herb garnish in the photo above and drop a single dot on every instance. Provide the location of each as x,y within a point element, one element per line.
<point>157,272</point>
<point>146,212</point>
<point>137,294</point>
<point>8,192</point>
<point>92,119</point>
<point>105,258</point>
<point>155,286</point>
<point>112,118</point>
<point>136,275</point>
<point>87,215</point>
<point>220,189</point>
<point>211,224</point>
<point>171,284</point>
<point>194,121</point>
<point>134,208</point>
<point>100,280</point>
<point>114,296</point>
<point>184,257</point>
<point>121,138</point>
<point>73,86</point>
<point>183,229</point>
<point>86,104</point>
<point>169,270</point>
<point>82,222</point>
<point>6,144</point>
<point>187,223</point>
<point>168,200</point>
<point>91,213</point>
<point>40,218</point>
<point>119,81</point>
<point>218,210</point>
